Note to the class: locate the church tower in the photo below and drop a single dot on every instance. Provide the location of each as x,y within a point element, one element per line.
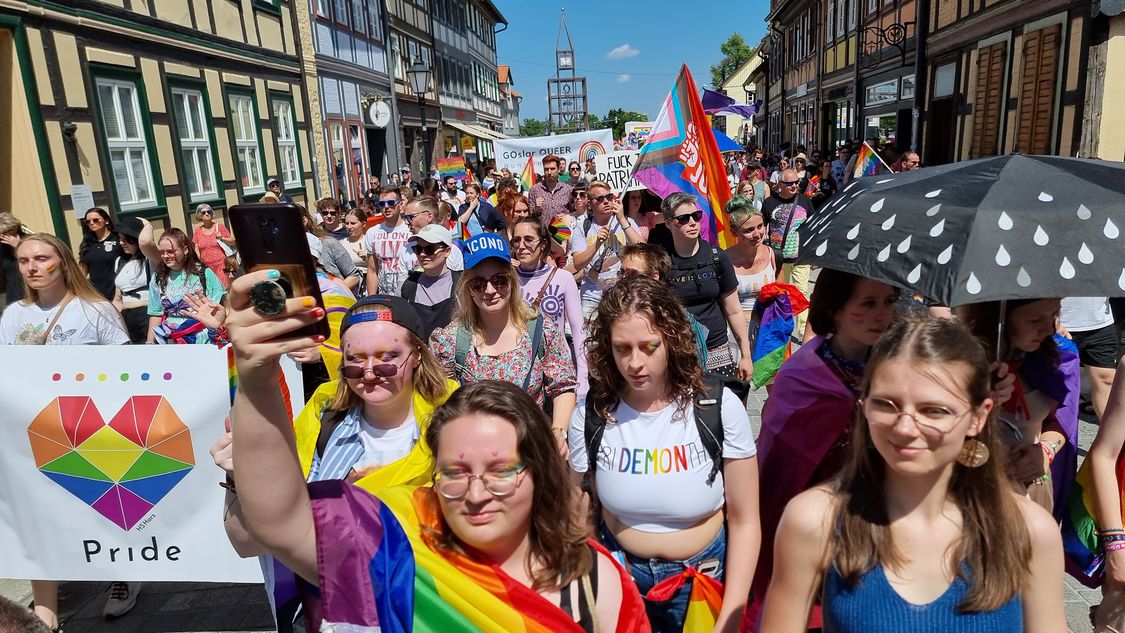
<point>566,92</point>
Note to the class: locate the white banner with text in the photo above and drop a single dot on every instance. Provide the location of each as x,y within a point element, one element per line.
<point>513,153</point>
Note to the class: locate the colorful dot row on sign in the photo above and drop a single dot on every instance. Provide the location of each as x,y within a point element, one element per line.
<point>125,377</point>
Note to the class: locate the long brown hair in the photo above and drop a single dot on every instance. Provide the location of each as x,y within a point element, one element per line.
<point>983,320</point>
<point>429,376</point>
<point>75,280</point>
<point>541,232</point>
<point>995,547</point>
<point>558,538</point>
<point>192,265</point>
<point>638,294</point>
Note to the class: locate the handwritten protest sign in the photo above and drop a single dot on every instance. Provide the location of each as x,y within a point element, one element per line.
<point>616,169</point>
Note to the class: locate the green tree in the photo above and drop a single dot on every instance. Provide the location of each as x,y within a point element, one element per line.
<point>735,52</point>
<point>616,119</point>
<point>533,127</point>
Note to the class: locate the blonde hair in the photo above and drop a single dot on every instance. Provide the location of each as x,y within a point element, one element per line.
<point>76,282</point>
<point>468,314</point>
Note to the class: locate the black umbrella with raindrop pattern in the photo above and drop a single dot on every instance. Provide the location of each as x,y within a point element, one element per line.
<point>1007,227</point>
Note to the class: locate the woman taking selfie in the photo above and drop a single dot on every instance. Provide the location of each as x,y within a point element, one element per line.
<point>692,506</point>
<point>491,535</point>
<point>921,531</point>
<point>364,427</point>
<point>497,336</point>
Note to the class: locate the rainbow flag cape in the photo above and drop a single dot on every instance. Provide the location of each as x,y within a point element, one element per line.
<point>527,176</point>
<point>559,230</point>
<point>1084,554</point>
<point>867,162</point>
<point>704,602</point>
<point>381,569</point>
<point>776,310</point>
<point>681,155</point>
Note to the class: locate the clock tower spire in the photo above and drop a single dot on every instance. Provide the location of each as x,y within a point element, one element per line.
<point>566,91</point>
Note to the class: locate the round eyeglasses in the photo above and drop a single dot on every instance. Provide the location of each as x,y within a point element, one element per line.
<point>498,482</point>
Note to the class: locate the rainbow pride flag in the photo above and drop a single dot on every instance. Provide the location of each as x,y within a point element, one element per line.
<point>527,176</point>
<point>681,155</point>
<point>1085,559</point>
<point>461,235</point>
<point>559,230</point>
<point>776,310</point>
<point>814,182</point>
<point>704,601</point>
<point>381,569</point>
<point>867,162</point>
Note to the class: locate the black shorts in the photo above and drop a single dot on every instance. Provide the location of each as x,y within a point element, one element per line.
<point>1097,348</point>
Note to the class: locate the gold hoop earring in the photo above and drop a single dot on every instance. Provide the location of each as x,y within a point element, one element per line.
<point>974,453</point>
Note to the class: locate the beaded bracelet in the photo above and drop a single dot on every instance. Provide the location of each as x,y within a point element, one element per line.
<point>1109,538</point>
<point>1114,547</point>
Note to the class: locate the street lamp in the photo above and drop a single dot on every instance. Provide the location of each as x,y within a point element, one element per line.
<point>419,73</point>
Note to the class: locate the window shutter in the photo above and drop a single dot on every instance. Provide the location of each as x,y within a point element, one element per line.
<point>987,100</point>
<point>1037,90</point>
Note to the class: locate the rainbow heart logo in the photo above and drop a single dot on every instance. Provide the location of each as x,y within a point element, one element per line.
<point>121,469</point>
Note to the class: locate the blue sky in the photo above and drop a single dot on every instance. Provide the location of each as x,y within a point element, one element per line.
<point>629,51</point>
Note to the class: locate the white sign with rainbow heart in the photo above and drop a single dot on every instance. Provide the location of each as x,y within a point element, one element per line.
<point>105,469</point>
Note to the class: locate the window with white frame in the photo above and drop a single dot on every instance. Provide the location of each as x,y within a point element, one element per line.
<point>195,143</point>
<point>830,23</point>
<point>839,17</point>
<point>359,21</point>
<point>374,28</point>
<point>125,139</point>
<point>287,143</point>
<point>247,152</point>
<point>323,9</point>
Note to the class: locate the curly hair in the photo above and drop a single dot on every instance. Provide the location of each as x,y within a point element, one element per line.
<point>558,538</point>
<point>655,301</point>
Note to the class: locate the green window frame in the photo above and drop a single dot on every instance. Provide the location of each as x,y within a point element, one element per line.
<point>126,139</point>
<point>273,6</point>
<point>287,142</point>
<point>245,132</point>
<point>193,123</point>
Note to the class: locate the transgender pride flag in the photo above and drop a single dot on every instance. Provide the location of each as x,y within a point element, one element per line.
<point>681,155</point>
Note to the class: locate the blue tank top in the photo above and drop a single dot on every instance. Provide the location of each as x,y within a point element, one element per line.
<point>873,606</point>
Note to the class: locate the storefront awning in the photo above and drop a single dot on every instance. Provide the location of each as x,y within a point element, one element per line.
<point>464,128</point>
<point>487,134</point>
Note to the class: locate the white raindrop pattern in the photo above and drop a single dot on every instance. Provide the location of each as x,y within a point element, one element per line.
<point>1110,230</point>
<point>852,254</point>
<point>937,228</point>
<point>878,205</point>
<point>972,285</point>
<point>1004,221</point>
<point>1084,213</point>
<point>889,222</point>
<point>1023,279</point>
<point>904,245</point>
<point>822,249</point>
<point>932,211</point>
<point>884,254</point>
<point>1041,238</point>
<point>1002,256</point>
<point>1121,280</point>
<point>854,232</point>
<point>1066,271</point>
<point>1045,197</point>
<point>933,194</point>
<point>1085,255</point>
<point>915,274</point>
<point>944,257</point>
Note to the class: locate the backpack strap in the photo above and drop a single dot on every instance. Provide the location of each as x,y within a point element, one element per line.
<point>537,349</point>
<point>778,262</point>
<point>709,421</point>
<point>464,342</point>
<point>593,429</point>
<point>329,420</point>
<point>410,287</point>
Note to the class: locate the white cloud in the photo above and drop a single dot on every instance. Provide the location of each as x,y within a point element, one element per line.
<point>623,78</point>
<point>622,52</point>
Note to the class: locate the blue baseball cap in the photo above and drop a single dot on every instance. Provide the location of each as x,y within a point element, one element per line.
<point>486,246</point>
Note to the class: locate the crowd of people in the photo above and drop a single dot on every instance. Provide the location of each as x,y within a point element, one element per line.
<point>549,386</point>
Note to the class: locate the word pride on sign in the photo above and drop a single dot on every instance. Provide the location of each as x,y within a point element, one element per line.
<point>104,457</point>
<point>616,169</point>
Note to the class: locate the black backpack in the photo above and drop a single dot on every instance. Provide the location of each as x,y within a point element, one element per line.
<point>708,405</point>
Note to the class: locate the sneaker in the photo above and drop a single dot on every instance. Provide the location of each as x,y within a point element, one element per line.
<point>122,597</point>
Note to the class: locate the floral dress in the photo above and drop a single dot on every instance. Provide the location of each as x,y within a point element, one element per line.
<point>210,253</point>
<point>552,371</point>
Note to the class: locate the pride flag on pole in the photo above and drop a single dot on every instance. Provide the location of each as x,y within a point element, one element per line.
<point>867,162</point>
<point>527,176</point>
<point>681,155</point>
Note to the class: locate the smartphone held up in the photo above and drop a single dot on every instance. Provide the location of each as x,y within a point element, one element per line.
<point>272,237</point>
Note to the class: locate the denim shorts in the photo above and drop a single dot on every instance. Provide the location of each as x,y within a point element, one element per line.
<point>668,616</point>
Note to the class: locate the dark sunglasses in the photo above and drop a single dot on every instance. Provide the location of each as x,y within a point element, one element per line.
<point>429,250</point>
<point>205,213</point>
<point>578,194</point>
<point>386,204</point>
<point>526,239</point>
<point>609,197</point>
<point>575,168</point>
<point>382,370</point>
<point>327,212</point>
<point>410,218</point>
<point>682,220</point>
<point>790,183</point>
<point>499,281</point>
<point>94,221</point>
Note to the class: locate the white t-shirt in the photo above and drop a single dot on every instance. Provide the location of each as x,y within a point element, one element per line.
<point>81,323</point>
<point>133,278</point>
<point>608,255</point>
<point>1085,314</point>
<point>383,446</point>
<point>386,244</point>
<point>652,468</point>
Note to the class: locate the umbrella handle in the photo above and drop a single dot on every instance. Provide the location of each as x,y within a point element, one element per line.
<point>1000,328</point>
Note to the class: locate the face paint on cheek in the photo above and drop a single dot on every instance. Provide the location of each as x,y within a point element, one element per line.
<point>53,268</point>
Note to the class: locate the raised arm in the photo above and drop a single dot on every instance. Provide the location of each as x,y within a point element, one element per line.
<point>267,472</point>
<point>147,242</point>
